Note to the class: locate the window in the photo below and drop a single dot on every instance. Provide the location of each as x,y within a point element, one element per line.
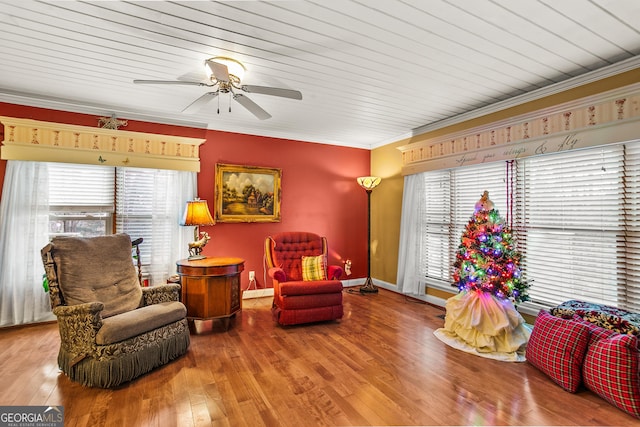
<point>150,204</point>
<point>450,198</point>
<point>572,211</point>
<point>87,200</point>
<point>134,206</point>
<point>576,221</point>
<point>438,225</point>
<point>80,200</point>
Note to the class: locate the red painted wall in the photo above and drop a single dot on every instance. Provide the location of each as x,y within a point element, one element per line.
<point>319,189</point>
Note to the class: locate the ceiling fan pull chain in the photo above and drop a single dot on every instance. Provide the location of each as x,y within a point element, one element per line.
<point>229,101</point>
<point>218,105</point>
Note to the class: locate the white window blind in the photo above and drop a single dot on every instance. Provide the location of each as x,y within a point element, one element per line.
<point>135,191</point>
<point>436,245</point>
<point>451,196</point>
<point>576,222</point>
<point>572,231</point>
<point>630,254</point>
<point>81,199</point>
<point>468,186</point>
<point>81,185</point>
<point>149,203</point>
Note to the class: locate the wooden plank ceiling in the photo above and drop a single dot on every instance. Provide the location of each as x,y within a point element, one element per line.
<point>370,71</point>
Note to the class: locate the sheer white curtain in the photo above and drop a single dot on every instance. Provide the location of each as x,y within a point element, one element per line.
<point>24,215</point>
<point>411,277</point>
<point>172,190</point>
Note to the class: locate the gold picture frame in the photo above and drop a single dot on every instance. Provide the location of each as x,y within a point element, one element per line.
<point>247,193</point>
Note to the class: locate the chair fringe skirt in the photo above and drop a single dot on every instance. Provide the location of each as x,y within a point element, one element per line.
<point>110,371</point>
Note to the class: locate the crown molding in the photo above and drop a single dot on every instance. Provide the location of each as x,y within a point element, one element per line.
<point>32,100</point>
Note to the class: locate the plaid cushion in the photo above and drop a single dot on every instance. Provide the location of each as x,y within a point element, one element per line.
<point>557,347</point>
<point>611,371</point>
<point>314,268</point>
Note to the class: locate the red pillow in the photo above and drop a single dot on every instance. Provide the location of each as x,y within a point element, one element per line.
<point>557,347</point>
<point>611,371</point>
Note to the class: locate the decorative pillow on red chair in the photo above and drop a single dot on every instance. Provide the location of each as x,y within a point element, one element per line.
<point>557,347</point>
<point>611,371</point>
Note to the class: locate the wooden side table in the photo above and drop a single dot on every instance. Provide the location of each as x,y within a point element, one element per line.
<point>211,287</point>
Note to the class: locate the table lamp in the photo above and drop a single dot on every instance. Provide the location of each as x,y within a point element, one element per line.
<point>197,213</point>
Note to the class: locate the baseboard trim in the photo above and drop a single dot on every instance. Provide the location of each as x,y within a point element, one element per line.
<point>257,293</point>
<point>440,302</point>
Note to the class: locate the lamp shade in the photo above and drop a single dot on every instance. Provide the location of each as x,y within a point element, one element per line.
<point>369,182</point>
<point>197,213</point>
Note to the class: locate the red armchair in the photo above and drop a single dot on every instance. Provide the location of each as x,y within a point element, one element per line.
<point>304,290</point>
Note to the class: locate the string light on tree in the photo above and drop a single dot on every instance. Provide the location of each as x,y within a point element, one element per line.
<point>486,259</point>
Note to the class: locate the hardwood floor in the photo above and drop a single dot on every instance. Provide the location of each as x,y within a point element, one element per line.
<point>379,365</point>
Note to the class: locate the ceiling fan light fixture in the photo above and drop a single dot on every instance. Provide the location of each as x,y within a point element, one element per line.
<point>225,75</point>
<point>235,67</point>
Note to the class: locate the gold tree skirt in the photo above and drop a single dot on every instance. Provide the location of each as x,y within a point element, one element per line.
<point>479,323</point>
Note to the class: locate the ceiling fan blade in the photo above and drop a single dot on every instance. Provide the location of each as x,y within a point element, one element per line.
<point>253,108</point>
<point>285,93</point>
<point>167,82</point>
<point>200,102</point>
<point>220,71</point>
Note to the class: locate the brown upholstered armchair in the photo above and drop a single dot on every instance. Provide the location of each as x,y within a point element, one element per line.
<point>111,329</point>
<point>305,289</point>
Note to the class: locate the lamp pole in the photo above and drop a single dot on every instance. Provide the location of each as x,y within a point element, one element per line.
<point>369,183</point>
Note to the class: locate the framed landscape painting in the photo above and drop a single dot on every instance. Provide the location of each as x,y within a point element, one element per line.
<point>247,193</point>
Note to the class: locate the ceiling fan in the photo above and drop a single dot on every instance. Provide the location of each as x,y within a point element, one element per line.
<point>226,77</point>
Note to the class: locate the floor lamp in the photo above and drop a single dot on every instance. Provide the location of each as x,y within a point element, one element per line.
<point>368,183</point>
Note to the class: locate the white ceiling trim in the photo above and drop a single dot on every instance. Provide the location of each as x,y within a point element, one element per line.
<point>12,97</point>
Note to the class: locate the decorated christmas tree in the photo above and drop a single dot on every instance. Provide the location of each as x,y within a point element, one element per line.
<point>486,259</point>
<point>481,319</point>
